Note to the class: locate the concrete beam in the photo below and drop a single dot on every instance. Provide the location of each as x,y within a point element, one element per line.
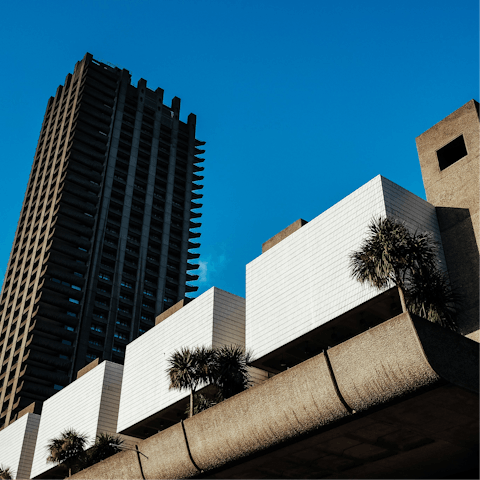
<point>405,356</point>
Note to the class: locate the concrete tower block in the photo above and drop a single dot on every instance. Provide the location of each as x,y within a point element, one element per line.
<point>449,158</point>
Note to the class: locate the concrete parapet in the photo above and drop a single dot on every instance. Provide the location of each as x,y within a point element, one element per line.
<point>405,356</point>
<point>283,234</point>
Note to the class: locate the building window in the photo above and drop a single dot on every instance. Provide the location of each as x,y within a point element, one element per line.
<point>452,152</point>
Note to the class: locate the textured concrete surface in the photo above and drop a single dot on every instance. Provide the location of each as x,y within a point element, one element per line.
<point>283,234</point>
<point>400,377</point>
<point>87,368</point>
<point>455,192</point>
<point>170,311</point>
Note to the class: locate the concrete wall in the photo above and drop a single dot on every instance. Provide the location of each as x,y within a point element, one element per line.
<point>304,281</point>
<point>389,366</point>
<point>214,318</point>
<point>455,192</point>
<point>89,405</point>
<point>17,445</point>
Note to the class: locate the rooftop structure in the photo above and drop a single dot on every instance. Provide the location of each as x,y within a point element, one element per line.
<point>104,237</point>
<point>301,290</point>
<point>17,445</point>
<point>449,157</point>
<point>89,405</point>
<point>213,319</point>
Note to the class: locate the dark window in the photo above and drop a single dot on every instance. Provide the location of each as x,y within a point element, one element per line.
<point>451,153</point>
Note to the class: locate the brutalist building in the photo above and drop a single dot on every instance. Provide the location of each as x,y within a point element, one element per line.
<point>104,241</point>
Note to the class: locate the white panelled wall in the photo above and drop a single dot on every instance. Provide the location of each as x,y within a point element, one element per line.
<point>304,281</point>
<point>17,444</point>
<point>89,405</point>
<point>214,318</point>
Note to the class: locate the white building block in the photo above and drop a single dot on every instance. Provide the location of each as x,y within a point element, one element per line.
<point>17,444</point>
<point>214,318</point>
<point>89,405</point>
<point>304,281</point>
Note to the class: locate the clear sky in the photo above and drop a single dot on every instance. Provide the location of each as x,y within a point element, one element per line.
<point>300,103</point>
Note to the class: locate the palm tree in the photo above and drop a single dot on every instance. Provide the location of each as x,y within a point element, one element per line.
<point>432,297</point>
<point>393,255</point>
<point>67,449</point>
<point>105,446</point>
<point>188,368</point>
<point>6,473</point>
<point>226,367</point>
<point>230,372</point>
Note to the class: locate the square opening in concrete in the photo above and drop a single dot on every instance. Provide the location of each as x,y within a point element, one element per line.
<point>451,153</point>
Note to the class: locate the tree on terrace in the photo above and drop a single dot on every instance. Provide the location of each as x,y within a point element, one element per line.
<point>68,449</point>
<point>190,368</point>
<point>225,367</point>
<point>391,254</point>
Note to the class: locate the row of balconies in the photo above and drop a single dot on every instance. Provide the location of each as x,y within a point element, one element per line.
<point>103,75</point>
<point>70,224</point>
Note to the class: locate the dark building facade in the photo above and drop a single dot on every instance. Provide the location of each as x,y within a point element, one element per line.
<point>104,239</point>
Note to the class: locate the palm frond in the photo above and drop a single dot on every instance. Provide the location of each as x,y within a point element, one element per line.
<point>231,369</point>
<point>431,296</point>
<point>6,473</point>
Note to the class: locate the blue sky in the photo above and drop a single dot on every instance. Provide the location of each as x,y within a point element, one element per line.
<point>300,103</point>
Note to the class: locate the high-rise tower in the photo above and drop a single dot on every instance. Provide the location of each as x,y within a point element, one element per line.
<point>102,245</point>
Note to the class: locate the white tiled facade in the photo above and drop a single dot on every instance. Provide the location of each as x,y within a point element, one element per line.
<point>17,445</point>
<point>304,281</point>
<point>89,405</point>
<point>214,318</point>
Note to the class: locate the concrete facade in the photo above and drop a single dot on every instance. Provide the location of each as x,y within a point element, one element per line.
<point>304,281</point>
<point>454,191</point>
<point>17,445</point>
<point>215,318</point>
<point>398,401</point>
<point>89,405</point>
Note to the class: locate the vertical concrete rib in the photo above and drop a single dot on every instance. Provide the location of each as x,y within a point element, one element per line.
<point>167,219</point>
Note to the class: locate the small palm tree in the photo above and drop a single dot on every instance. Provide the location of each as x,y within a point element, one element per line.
<point>6,473</point>
<point>225,367</point>
<point>432,297</point>
<point>189,368</point>
<point>105,446</point>
<point>67,449</point>
<point>393,255</point>
<point>230,372</point>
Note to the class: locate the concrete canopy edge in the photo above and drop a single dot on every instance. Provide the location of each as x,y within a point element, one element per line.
<point>398,357</point>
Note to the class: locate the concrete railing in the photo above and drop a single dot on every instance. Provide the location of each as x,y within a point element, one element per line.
<point>405,355</point>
